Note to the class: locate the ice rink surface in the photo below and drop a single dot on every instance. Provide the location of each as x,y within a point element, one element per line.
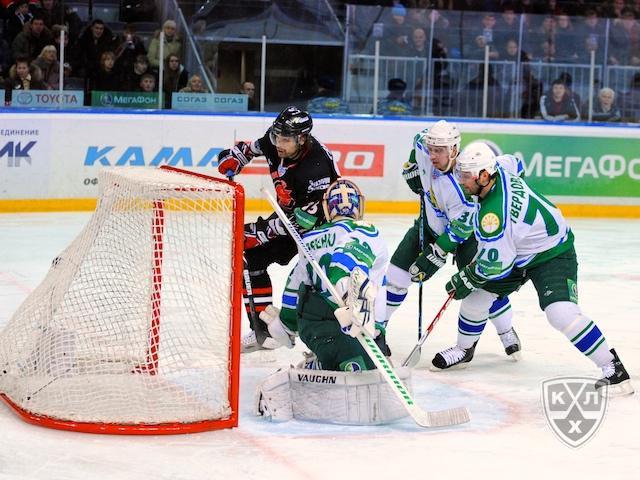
<point>508,436</point>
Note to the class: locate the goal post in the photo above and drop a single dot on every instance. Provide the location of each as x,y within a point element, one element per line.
<point>135,329</point>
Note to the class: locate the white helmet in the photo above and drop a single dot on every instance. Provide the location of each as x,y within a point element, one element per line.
<point>441,134</point>
<point>343,199</point>
<point>477,156</point>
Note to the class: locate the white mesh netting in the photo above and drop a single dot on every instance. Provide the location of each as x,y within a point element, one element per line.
<point>132,323</point>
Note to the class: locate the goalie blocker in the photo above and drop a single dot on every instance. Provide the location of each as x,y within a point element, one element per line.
<point>330,396</point>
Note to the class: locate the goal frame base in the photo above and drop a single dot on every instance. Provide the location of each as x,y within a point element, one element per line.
<point>121,429</point>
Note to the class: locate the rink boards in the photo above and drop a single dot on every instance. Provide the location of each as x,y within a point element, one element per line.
<point>49,160</point>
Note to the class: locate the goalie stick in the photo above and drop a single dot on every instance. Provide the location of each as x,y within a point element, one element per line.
<point>414,357</point>
<point>424,418</point>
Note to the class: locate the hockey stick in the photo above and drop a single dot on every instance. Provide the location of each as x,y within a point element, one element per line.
<point>247,286</point>
<point>261,334</point>
<point>421,242</point>
<point>254,321</point>
<point>422,417</point>
<point>414,357</point>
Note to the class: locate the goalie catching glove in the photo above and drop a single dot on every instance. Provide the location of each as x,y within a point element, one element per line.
<point>428,263</point>
<point>357,316</point>
<point>278,330</point>
<point>464,282</point>
<point>232,160</point>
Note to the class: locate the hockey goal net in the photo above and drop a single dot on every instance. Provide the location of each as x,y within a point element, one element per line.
<point>135,329</point>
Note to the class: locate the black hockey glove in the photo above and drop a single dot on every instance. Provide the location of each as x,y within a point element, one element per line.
<point>428,263</point>
<point>262,231</point>
<point>464,282</point>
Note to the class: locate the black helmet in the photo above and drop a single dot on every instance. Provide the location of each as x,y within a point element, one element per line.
<point>292,122</point>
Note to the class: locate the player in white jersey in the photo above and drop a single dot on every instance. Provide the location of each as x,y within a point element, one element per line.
<point>445,226</point>
<point>522,236</point>
<point>344,243</point>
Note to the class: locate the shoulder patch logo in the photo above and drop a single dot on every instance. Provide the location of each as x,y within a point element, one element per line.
<point>490,222</point>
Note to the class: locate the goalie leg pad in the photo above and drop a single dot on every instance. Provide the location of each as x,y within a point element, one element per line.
<point>273,397</point>
<point>345,398</point>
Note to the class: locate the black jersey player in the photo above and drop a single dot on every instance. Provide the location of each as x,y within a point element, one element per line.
<point>301,169</point>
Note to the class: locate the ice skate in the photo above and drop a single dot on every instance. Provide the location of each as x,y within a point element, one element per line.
<point>454,358</point>
<point>511,343</point>
<point>616,377</point>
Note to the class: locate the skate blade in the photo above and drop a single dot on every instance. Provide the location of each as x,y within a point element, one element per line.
<point>515,356</point>
<point>620,390</point>
<point>268,345</point>
<point>255,348</point>
<point>250,349</point>
<point>271,344</point>
<point>459,366</point>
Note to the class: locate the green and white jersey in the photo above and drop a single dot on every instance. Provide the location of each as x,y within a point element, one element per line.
<point>338,248</point>
<point>448,210</point>
<point>516,227</point>
<point>511,164</point>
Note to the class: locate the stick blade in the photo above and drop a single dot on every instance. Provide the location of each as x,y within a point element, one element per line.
<point>440,418</point>
<point>413,359</point>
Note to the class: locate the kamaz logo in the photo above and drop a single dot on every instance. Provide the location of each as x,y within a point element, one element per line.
<point>16,152</point>
<point>136,156</point>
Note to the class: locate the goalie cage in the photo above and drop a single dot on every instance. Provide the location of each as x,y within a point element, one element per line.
<point>135,329</point>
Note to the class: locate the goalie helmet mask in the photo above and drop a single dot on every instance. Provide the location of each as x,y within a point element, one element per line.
<point>343,199</point>
<point>291,122</point>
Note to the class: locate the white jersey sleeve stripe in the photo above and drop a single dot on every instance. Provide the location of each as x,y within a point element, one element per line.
<point>457,189</point>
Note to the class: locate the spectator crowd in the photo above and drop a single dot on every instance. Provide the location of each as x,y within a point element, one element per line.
<point>95,58</point>
<point>525,34</point>
<point>530,35</point>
